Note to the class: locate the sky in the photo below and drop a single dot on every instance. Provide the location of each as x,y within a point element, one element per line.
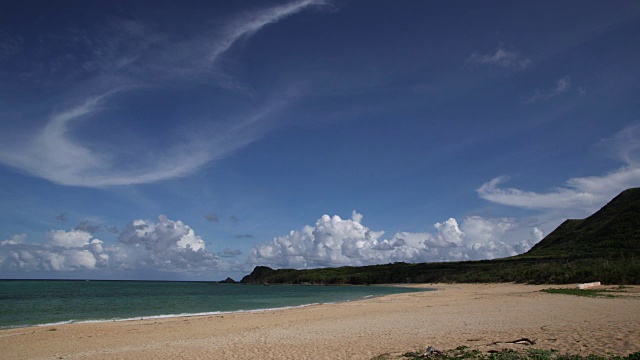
<point>195,140</point>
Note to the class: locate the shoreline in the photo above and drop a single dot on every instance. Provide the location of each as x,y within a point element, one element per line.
<point>473,315</point>
<point>162,316</point>
<point>207,313</point>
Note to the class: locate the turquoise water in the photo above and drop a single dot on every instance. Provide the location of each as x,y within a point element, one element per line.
<point>36,302</point>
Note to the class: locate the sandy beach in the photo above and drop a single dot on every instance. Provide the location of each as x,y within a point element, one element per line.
<point>482,316</point>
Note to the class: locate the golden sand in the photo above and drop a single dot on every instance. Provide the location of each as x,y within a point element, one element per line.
<point>478,316</point>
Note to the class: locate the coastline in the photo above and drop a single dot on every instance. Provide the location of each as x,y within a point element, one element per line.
<point>52,306</point>
<point>473,315</point>
<point>163,316</point>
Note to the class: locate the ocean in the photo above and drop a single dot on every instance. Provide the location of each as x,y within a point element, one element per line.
<point>46,302</point>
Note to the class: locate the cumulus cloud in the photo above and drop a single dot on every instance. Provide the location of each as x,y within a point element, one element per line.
<point>14,240</point>
<point>61,251</point>
<point>561,86</point>
<point>584,193</point>
<point>172,246</point>
<point>333,241</point>
<point>68,239</point>
<point>484,238</point>
<point>501,58</point>
<point>165,245</point>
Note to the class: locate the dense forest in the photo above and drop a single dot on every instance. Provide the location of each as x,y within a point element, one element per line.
<point>603,247</point>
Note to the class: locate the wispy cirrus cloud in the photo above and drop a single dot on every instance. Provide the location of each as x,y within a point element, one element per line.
<point>501,58</point>
<point>624,146</point>
<point>10,45</point>
<point>129,58</point>
<point>582,193</point>
<point>55,155</point>
<point>251,23</point>
<point>561,86</point>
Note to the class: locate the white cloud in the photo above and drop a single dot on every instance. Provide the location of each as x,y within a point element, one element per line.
<point>501,58</point>
<point>584,193</point>
<point>449,233</point>
<point>536,235</point>
<point>127,56</point>
<point>62,251</point>
<point>14,240</point>
<point>560,198</point>
<point>170,246</point>
<point>77,259</point>
<point>334,241</point>
<point>561,86</point>
<point>69,239</point>
<point>253,22</point>
<point>331,242</point>
<point>483,238</point>
<point>624,145</point>
<point>52,154</point>
<point>166,245</point>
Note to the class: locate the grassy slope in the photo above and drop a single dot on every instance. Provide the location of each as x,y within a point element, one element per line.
<point>604,247</point>
<point>612,232</point>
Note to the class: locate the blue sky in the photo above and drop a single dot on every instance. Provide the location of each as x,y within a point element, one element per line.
<point>198,139</point>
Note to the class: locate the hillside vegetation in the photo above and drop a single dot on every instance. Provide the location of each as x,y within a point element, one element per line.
<point>603,247</point>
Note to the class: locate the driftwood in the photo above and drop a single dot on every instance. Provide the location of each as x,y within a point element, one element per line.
<point>589,285</point>
<point>522,341</point>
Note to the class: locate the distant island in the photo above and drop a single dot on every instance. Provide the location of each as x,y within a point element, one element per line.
<point>603,247</point>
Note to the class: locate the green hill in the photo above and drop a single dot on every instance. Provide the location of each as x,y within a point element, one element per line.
<point>603,247</point>
<point>613,232</point>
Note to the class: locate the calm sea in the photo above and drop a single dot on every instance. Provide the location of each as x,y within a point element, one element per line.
<point>36,302</point>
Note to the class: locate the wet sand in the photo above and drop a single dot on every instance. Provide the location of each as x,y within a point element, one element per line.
<point>477,316</point>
